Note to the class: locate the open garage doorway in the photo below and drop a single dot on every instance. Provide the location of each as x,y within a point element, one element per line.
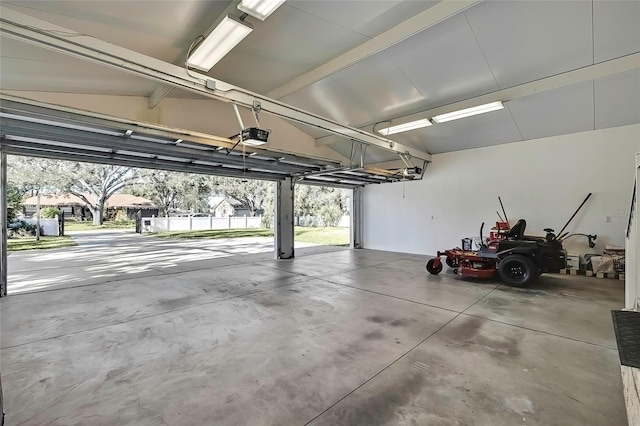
<point>104,223</point>
<point>322,216</point>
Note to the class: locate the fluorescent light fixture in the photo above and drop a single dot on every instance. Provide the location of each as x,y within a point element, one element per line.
<point>260,9</point>
<point>468,112</point>
<point>229,32</point>
<point>405,127</point>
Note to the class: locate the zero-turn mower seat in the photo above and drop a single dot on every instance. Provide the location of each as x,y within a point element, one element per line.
<point>517,232</point>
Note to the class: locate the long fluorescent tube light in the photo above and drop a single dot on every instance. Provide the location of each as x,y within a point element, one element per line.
<point>260,9</point>
<point>468,112</point>
<point>229,32</point>
<point>405,127</point>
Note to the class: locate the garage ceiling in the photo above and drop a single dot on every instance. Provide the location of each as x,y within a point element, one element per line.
<point>487,47</point>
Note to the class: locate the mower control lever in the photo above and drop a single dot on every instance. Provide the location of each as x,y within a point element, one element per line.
<point>548,230</point>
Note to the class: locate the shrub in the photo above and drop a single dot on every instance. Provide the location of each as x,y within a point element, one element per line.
<point>49,212</point>
<point>267,220</point>
<point>330,215</point>
<point>121,216</point>
<point>21,229</point>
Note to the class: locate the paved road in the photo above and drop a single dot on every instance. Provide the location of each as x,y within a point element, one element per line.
<point>103,256</point>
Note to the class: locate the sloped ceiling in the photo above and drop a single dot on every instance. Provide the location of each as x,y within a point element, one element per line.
<point>489,46</point>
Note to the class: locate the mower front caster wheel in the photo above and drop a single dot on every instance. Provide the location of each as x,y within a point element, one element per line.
<point>432,268</point>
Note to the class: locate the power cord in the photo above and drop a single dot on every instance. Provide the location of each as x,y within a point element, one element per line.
<point>197,40</point>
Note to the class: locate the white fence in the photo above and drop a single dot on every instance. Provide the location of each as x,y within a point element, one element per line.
<point>49,226</point>
<point>167,224</point>
<point>632,245</point>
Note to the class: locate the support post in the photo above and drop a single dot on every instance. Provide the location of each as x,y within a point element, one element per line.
<point>3,224</point>
<point>38,218</point>
<point>284,219</point>
<point>356,218</point>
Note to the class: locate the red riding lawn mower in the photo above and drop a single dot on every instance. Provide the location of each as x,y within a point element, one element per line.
<point>517,259</point>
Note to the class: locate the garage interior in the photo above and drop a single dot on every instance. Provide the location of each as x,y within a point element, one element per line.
<point>362,335</point>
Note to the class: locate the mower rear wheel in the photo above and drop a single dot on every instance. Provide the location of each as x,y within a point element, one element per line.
<point>432,269</point>
<point>518,270</point>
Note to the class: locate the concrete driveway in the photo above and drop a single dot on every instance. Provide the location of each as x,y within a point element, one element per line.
<point>103,256</point>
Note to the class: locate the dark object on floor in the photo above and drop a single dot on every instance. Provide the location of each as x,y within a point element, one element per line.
<point>626,324</point>
<point>516,258</point>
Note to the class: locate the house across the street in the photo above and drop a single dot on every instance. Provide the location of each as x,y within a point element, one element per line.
<point>74,206</point>
<point>221,206</point>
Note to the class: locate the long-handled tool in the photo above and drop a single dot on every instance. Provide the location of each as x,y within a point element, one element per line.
<point>572,216</point>
<point>504,212</point>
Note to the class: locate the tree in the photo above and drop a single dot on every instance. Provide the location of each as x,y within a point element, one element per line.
<point>92,183</point>
<point>27,176</point>
<point>23,180</point>
<point>173,190</point>
<point>253,194</point>
<point>326,203</point>
<point>14,200</point>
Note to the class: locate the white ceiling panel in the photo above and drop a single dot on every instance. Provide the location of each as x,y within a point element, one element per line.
<point>492,128</point>
<point>444,63</point>
<point>373,154</point>
<point>287,44</point>
<point>366,92</point>
<point>489,46</point>
<point>616,29</point>
<point>36,69</point>
<point>366,17</point>
<point>618,100</point>
<point>556,112</point>
<point>527,40</point>
<point>161,29</point>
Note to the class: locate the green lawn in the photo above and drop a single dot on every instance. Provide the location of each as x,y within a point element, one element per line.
<point>21,244</point>
<point>323,236</point>
<point>72,225</point>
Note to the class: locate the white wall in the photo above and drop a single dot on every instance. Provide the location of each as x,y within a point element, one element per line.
<point>541,180</point>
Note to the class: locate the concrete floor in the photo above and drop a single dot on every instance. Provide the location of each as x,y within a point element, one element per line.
<point>337,338</point>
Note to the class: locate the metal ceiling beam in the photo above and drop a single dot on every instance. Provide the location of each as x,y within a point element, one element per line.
<point>328,183</point>
<point>158,94</point>
<point>25,28</point>
<point>430,17</point>
<point>345,176</point>
<point>580,75</point>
